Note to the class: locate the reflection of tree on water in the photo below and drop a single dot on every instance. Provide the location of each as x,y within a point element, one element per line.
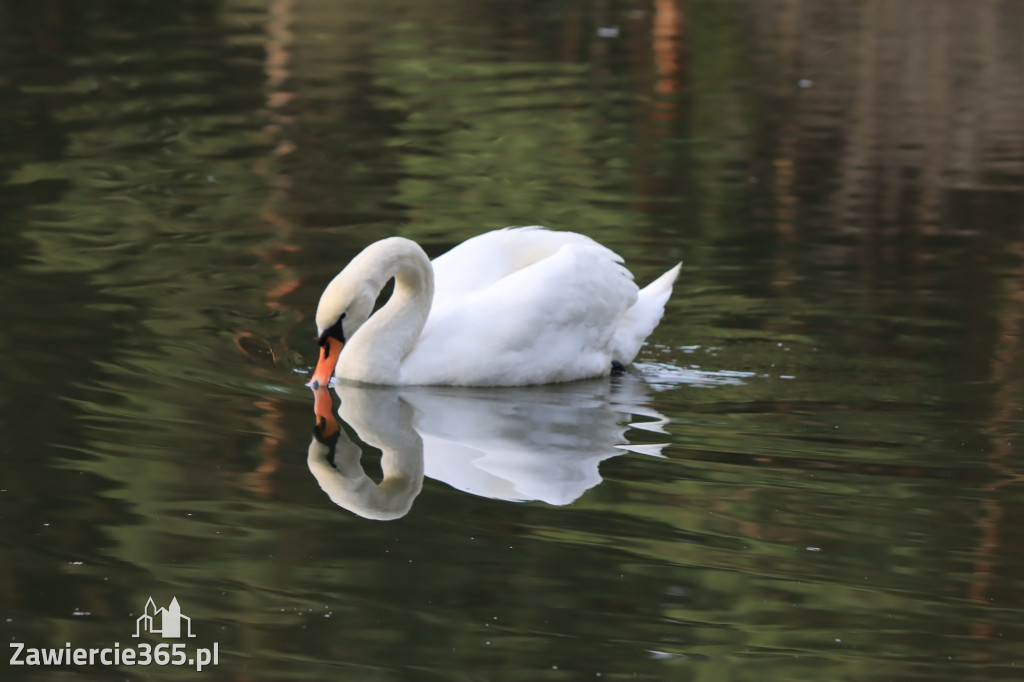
<point>538,443</point>
<point>887,130</point>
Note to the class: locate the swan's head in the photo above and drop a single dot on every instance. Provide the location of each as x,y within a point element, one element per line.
<point>349,299</point>
<point>345,305</point>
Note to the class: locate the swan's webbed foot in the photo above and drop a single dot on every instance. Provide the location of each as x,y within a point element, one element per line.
<point>618,368</point>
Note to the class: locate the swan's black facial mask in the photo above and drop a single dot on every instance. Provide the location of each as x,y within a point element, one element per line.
<point>335,331</point>
<point>331,341</point>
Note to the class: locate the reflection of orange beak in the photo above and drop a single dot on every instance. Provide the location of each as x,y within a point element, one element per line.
<point>323,408</point>
<point>328,359</point>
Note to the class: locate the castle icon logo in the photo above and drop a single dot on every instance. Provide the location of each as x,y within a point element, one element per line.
<point>164,622</point>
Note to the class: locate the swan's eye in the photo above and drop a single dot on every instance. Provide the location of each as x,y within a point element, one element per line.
<point>335,331</point>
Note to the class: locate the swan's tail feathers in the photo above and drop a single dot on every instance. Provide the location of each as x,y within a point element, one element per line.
<point>641,319</point>
<point>661,288</point>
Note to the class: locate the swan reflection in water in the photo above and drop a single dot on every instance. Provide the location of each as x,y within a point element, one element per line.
<point>517,444</point>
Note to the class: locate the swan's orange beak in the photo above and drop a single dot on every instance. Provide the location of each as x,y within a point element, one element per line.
<point>323,408</point>
<point>328,360</point>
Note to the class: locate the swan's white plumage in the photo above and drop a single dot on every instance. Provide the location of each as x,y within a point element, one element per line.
<point>640,320</point>
<point>511,307</point>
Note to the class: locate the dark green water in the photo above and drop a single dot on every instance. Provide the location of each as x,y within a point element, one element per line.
<point>814,472</point>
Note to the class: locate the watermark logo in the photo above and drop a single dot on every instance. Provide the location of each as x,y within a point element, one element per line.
<point>169,620</point>
<point>169,623</point>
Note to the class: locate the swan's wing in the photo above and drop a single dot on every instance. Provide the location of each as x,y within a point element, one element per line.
<point>552,320</point>
<point>477,263</point>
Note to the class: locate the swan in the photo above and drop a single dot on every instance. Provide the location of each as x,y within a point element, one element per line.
<point>512,307</point>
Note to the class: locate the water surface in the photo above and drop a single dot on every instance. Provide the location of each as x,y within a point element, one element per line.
<point>814,470</point>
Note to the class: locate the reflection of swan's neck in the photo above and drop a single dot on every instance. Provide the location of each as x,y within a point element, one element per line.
<point>383,420</point>
<point>375,352</point>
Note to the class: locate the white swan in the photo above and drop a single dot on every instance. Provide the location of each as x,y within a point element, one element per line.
<point>512,307</point>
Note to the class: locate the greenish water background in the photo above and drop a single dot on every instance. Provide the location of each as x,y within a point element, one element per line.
<point>840,489</point>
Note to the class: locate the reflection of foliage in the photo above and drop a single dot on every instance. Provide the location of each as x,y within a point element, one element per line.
<point>516,140</point>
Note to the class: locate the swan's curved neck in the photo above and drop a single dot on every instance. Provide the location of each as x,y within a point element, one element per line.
<point>375,352</point>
